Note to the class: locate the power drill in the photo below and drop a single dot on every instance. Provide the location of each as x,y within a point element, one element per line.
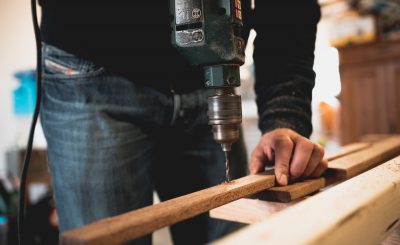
<point>208,34</point>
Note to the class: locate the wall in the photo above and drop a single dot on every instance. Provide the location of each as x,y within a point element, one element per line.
<point>17,52</point>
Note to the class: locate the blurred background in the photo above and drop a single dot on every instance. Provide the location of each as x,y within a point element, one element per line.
<point>357,62</point>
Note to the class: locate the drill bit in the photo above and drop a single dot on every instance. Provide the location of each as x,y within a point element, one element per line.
<point>227,178</point>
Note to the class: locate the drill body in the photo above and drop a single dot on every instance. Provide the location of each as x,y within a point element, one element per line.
<point>208,34</point>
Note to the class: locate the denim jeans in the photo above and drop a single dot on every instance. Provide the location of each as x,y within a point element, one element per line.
<point>113,141</point>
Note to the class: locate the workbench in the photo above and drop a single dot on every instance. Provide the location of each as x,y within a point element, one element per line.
<point>355,202</point>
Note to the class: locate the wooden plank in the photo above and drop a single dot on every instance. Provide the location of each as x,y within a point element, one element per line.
<point>134,224</point>
<point>339,169</point>
<point>348,149</point>
<point>362,210</point>
<point>361,161</point>
<point>249,211</point>
<point>263,204</point>
<point>371,138</point>
<point>293,191</point>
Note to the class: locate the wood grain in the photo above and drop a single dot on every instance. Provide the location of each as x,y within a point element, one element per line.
<point>361,161</point>
<point>134,224</point>
<point>249,211</point>
<point>372,138</point>
<point>293,191</point>
<point>347,166</point>
<point>362,210</point>
<point>348,149</point>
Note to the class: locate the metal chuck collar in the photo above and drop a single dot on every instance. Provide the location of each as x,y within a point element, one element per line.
<point>225,116</point>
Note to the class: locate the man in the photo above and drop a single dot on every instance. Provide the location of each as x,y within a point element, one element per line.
<point>124,114</point>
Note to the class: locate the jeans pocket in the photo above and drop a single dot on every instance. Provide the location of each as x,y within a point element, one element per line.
<point>59,65</point>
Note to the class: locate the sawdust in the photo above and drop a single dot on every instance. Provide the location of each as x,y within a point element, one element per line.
<point>394,166</point>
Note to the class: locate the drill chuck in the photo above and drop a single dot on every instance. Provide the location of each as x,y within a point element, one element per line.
<point>225,116</point>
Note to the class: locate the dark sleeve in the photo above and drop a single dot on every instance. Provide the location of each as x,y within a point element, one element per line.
<point>284,58</point>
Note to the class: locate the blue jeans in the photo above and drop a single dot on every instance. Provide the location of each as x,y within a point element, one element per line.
<point>113,141</point>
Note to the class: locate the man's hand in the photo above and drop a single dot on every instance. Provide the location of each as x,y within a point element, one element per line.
<point>294,156</point>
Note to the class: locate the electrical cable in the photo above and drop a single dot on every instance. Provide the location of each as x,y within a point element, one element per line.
<point>28,151</point>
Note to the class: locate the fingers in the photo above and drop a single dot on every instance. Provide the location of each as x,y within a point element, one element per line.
<point>301,158</point>
<point>257,160</point>
<point>320,169</point>
<point>294,156</point>
<point>283,147</point>
<point>316,158</point>
<point>307,160</point>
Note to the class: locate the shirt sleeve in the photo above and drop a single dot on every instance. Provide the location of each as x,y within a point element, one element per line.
<point>284,59</point>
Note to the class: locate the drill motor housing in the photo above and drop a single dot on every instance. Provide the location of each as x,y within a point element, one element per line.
<point>208,33</point>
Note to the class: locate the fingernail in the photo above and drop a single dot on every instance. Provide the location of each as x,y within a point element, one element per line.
<point>283,180</point>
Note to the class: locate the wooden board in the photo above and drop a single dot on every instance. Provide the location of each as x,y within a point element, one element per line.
<point>358,162</point>
<point>371,138</point>
<point>249,211</point>
<point>348,149</point>
<point>362,210</point>
<point>293,191</point>
<point>340,168</point>
<point>134,224</point>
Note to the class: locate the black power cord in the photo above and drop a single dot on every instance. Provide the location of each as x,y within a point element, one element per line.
<point>28,150</point>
